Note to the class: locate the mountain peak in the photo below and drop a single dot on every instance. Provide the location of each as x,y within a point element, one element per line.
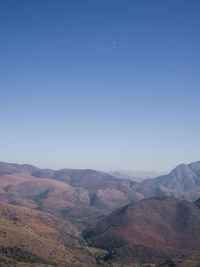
<point>183,178</point>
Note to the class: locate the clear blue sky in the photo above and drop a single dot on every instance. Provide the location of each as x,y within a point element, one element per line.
<point>105,84</point>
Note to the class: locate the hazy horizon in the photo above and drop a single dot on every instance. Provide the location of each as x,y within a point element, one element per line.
<point>106,85</point>
<point>137,173</point>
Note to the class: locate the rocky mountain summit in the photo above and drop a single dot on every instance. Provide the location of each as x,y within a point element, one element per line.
<point>184,178</point>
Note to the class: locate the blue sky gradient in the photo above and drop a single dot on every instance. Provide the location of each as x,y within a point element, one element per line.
<point>107,84</point>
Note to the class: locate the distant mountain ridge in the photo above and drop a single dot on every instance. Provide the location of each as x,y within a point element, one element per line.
<point>9,168</point>
<point>183,178</point>
<point>136,176</point>
<point>86,195</point>
<point>83,195</point>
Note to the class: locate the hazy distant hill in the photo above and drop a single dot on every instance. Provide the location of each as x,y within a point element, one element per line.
<point>82,195</point>
<point>182,182</point>
<point>9,168</point>
<point>37,237</point>
<point>183,178</point>
<point>148,230</point>
<point>136,176</point>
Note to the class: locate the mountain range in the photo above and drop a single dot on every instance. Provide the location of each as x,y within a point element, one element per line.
<point>85,196</point>
<point>90,218</point>
<point>81,195</point>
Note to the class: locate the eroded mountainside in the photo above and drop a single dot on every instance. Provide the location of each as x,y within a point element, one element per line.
<point>83,195</point>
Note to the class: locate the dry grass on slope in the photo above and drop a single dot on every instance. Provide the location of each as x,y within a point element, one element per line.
<point>42,235</point>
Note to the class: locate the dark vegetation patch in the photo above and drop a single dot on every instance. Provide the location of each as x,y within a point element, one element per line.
<point>129,252</point>
<point>17,254</point>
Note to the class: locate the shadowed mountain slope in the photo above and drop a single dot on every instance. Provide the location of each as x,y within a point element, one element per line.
<point>160,191</point>
<point>150,229</point>
<point>197,203</point>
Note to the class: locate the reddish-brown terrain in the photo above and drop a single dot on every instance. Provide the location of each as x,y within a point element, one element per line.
<point>82,195</point>
<point>36,237</point>
<point>150,230</point>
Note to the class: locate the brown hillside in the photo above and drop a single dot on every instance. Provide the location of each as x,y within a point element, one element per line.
<point>82,195</point>
<point>150,229</point>
<point>41,236</point>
